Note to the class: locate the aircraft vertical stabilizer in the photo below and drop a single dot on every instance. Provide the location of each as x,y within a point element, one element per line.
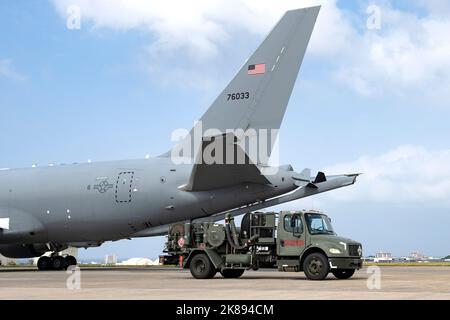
<point>258,95</point>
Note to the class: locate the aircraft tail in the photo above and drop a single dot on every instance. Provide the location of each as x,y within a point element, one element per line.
<point>258,95</point>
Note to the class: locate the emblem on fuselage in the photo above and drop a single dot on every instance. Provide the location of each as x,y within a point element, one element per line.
<point>103,186</point>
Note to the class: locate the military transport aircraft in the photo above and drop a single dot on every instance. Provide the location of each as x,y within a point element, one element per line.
<point>46,209</point>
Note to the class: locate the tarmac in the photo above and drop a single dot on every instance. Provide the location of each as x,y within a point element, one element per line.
<point>161,283</point>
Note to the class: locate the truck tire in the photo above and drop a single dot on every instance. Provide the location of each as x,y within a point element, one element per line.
<point>343,274</point>
<point>201,267</point>
<point>232,273</point>
<point>316,266</point>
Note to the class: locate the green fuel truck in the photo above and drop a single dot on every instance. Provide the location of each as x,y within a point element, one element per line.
<point>290,241</point>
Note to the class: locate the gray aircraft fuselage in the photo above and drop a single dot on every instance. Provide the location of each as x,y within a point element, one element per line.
<point>96,202</point>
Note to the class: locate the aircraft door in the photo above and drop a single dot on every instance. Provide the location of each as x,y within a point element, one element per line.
<point>124,187</point>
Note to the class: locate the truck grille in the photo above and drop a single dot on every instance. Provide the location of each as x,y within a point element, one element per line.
<point>353,250</point>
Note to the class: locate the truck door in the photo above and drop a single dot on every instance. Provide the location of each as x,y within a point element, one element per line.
<point>291,235</point>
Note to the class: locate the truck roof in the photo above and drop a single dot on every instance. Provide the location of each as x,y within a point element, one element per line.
<point>304,211</point>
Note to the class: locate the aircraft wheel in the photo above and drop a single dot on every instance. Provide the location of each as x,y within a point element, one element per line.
<point>316,266</point>
<point>44,263</point>
<point>57,263</point>
<point>70,261</point>
<point>232,273</point>
<point>201,267</point>
<point>343,274</point>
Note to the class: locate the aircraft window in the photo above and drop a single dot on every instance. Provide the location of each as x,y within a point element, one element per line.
<point>295,226</point>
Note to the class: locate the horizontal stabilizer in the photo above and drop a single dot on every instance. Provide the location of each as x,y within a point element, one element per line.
<point>305,176</point>
<point>230,166</point>
<point>336,182</point>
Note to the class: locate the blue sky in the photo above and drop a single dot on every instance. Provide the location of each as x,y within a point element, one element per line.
<point>367,100</point>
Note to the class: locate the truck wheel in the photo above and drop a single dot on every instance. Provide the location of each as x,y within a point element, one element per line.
<point>232,273</point>
<point>316,266</point>
<point>343,274</point>
<point>201,267</point>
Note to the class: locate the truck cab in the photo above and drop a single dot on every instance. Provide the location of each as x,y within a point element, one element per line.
<point>307,242</point>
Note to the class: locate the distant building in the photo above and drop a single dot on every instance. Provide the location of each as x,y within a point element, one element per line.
<point>111,259</point>
<point>140,262</point>
<point>383,257</point>
<point>418,256</point>
<point>368,259</point>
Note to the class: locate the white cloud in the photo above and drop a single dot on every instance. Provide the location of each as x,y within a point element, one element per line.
<point>7,71</point>
<point>198,31</point>
<point>435,7</point>
<point>199,27</point>
<point>410,52</point>
<point>406,175</point>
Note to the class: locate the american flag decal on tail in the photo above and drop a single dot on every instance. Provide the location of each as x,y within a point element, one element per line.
<point>256,69</point>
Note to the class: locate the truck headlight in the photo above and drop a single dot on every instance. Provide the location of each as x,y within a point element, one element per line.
<point>360,252</point>
<point>335,251</point>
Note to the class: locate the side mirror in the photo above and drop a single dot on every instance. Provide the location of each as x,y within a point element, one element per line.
<point>293,220</point>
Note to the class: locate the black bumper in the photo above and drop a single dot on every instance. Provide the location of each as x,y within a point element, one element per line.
<point>346,263</point>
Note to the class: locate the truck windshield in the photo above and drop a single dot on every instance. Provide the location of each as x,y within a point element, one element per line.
<point>318,224</point>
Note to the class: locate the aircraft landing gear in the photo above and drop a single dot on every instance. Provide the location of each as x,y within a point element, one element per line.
<point>56,262</point>
<point>70,261</point>
<point>44,263</point>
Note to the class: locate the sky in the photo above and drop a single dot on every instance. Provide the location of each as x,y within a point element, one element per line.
<point>372,97</point>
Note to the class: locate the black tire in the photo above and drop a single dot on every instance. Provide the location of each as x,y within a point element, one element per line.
<point>69,261</point>
<point>232,273</point>
<point>316,266</point>
<point>343,274</point>
<point>44,263</point>
<point>201,267</point>
<point>57,263</point>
